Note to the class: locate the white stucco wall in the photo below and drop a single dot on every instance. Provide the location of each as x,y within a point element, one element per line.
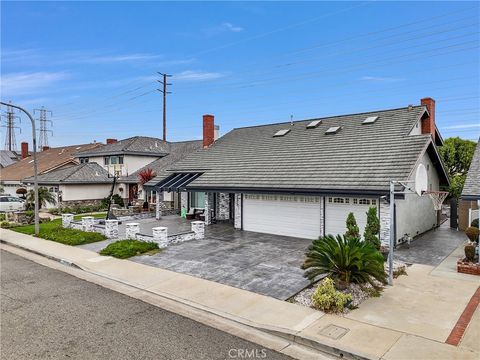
<point>131,162</point>
<point>416,214</point>
<point>84,192</point>
<point>417,129</point>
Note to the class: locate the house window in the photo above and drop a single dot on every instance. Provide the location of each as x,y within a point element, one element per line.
<point>197,200</point>
<point>113,160</point>
<point>339,200</point>
<point>83,160</point>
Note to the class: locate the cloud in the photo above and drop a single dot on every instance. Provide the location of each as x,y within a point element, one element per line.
<point>27,83</point>
<point>381,79</point>
<point>109,59</point>
<point>222,28</point>
<point>191,75</point>
<point>462,126</point>
<point>230,27</point>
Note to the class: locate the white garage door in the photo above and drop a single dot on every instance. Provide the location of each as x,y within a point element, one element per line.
<point>337,209</point>
<point>297,216</point>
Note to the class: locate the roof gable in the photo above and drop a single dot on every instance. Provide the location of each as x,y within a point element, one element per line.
<point>137,145</point>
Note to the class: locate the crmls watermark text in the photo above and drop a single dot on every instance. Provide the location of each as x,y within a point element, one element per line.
<point>247,353</point>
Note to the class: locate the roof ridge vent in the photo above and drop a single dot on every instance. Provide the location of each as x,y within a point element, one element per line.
<point>314,124</point>
<point>281,132</point>
<point>370,120</point>
<point>333,130</point>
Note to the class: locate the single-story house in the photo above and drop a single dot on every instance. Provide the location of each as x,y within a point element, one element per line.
<point>302,178</point>
<point>78,184</point>
<point>470,199</point>
<point>11,177</point>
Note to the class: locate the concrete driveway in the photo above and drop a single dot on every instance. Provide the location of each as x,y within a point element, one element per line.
<point>262,263</point>
<point>432,247</point>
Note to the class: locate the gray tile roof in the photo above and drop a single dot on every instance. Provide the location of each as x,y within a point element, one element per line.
<point>357,158</point>
<point>471,188</point>
<point>87,173</point>
<point>137,145</point>
<point>177,151</point>
<point>8,157</point>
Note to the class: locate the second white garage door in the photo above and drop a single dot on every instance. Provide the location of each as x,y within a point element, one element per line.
<point>337,209</point>
<point>297,216</point>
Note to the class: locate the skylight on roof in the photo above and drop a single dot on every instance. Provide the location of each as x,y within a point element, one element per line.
<point>314,124</point>
<point>370,120</point>
<point>333,130</point>
<point>282,132</point>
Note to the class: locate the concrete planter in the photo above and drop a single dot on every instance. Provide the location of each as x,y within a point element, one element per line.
<point>466,267</point>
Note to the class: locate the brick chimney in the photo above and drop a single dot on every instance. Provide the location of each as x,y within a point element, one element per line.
<point>208,130</point>
<point>111,141</point>
<point>428,123</point>
<point>45,148</point>
<point>24,149</point>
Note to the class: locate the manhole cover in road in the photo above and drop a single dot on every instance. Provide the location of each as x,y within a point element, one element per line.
<point>333,331</point>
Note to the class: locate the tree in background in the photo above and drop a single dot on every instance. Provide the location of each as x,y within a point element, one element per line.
<point>457,155</point>
<point>146,175</point>
<point>372,228</point>
<point>352,227</point>
<point>44,197</point>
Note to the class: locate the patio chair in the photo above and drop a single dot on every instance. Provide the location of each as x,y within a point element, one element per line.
<point>191,214</point>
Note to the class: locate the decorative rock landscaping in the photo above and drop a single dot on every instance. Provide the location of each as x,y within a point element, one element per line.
<point>467,267</point>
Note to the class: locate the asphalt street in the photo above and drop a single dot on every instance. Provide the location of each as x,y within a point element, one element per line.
<point>48,314</point>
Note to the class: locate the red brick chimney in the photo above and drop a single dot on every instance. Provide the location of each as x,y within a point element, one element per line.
<point>45,148</point>
<point>428,123</point>
<point>24,149</point>
<point>208,130</point>
<point>111,141</point>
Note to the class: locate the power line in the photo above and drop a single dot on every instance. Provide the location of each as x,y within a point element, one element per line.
<point>43,131</point>
<point>165,92</point>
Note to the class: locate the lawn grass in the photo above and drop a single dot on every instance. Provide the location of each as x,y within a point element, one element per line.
<point>123,249</point>
<point>54,231</point>
<point>96,216</point>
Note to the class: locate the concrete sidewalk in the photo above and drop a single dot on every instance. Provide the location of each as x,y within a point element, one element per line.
<point>337,335</point>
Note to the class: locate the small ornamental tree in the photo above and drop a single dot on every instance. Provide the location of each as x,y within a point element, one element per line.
<point>352,227</point>
<point>146,175</point>
<point>372,228</point>
<point>21,192</point>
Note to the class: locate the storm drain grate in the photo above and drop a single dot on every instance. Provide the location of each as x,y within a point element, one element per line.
<point>333,331</point>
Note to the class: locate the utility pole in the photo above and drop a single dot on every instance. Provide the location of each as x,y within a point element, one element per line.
<point>10,118</point>
<point>165,92</point>
<point>43,131</point>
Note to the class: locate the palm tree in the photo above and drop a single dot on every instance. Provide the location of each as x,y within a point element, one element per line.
<point>44,197</point>
<point>347,259</point>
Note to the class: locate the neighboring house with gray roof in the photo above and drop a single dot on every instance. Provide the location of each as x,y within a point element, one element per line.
<point>128,157</point>
<point>8,157</point>
<point>302,178</point>
<point>85,183</point>
<point>470,199</point>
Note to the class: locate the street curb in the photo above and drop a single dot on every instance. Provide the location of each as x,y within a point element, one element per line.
<point>285,334</point>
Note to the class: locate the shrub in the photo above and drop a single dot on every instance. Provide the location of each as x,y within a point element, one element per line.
<point>372,228</point>
<point>146,175</point>
<point>327,299</point>
<point>345,259</point>
<point>116,199</point>
<point>123,249</point>
<point>7,225</point>
<point>474,223</point>
<point>352,227</point>
<point>472,233</point>
<point>470,252</point>
<point>2,217</point>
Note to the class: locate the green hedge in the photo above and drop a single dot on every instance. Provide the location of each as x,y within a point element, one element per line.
<point>123,249</point>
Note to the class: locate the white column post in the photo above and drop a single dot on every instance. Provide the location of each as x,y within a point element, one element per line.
<point>160,236</point>
<point>87,223</point>
<point>111,228</point>
<point>131,230</point>
<point>67,220</point>
<point>158,213</point>
<point>198,227</point>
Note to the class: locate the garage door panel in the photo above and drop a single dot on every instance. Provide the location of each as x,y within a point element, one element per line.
<point>336,215</point>
<point>288,218</point>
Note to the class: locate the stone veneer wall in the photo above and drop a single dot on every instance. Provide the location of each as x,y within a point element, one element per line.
<point>238,211</point>
<point>184,200</point>
<point>322,199</point>
<point>208,207</point>
<point>223,206</point>
<point>384,222</point>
